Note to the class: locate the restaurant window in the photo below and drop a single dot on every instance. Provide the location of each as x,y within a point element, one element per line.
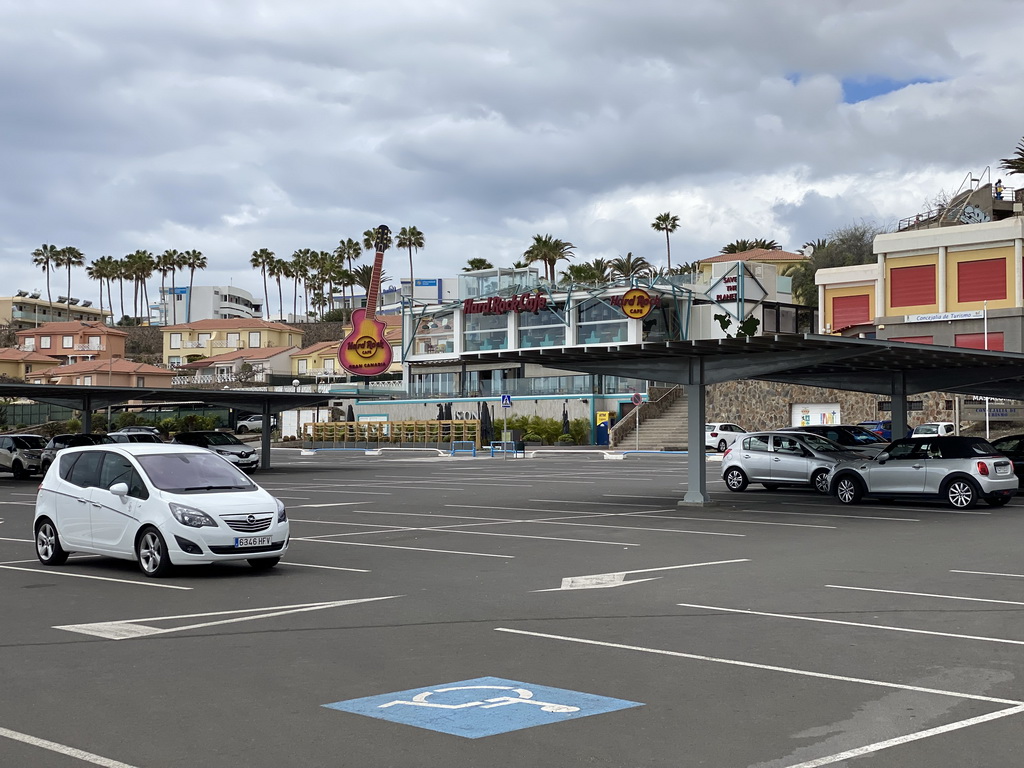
<point>483,332</point>
<point>435,334</point>
<point>545,328</point>
<point>599,323</point>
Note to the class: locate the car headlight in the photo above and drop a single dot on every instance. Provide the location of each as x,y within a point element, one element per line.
<point>192,517</point>
<point>222,452</point>
<point>282,516</point>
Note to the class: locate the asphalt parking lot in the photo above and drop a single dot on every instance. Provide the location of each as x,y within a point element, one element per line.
<point>554,611</point>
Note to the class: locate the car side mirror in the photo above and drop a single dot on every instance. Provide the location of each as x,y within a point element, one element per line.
<point>882,457</point>
<point>119,489</point>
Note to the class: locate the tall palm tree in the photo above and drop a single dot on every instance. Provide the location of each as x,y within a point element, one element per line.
<point>667,223</point>
<point>167,264</point>
<point>740,246</point>
<point>120,272</point>
<point>410,238</point>
<point>363,276</point>
<point>101,270</point>
<point>302,267</point>
<point>261,260</point>
<point>140,268</point>
<point>191,260</point>
<point>278,268</point>
<point>474,264</point>
<point>349,250</point>
<point>631,266</point>
<point>69,257</point>
<point>549,251</point>
<point>45,257</point>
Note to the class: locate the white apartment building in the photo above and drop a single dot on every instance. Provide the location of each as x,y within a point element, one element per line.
<point>205,302</point>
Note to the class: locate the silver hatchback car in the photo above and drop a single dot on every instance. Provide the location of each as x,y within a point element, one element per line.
<point>959,470</point>
<point>775,459</point>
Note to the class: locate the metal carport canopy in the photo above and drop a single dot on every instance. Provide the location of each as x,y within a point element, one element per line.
<point>892,368</point>
<point>90,398</point>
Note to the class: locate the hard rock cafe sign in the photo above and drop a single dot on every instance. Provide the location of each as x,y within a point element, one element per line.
<point>497,305</point>
<point>635,303</point>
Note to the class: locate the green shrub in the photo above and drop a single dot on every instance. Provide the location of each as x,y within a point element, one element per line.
<point>73,425</point>
<point>532,437</point>
<point>566,440</point>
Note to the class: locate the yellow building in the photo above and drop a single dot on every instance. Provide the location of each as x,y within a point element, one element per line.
<point>20,363</point>
<point>188,342</point>
<point>30,310</point>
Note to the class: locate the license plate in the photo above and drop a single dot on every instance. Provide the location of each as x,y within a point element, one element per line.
<point>1002,470</point>
<point>252,541</point>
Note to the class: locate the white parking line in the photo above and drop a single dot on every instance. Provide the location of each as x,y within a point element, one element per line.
<point>23,541</point>
<point>726,520</point>
<point>829,514</point>
<point>851,624</point>
<point>928,594</point>
<point>62,749</point>
<point>53,572</point>
<point>987,573</point>
<point>328,567</point>
<point>414,549</point>
<point>330,504</point>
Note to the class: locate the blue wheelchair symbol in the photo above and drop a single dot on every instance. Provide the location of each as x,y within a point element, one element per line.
<point>484,706</point>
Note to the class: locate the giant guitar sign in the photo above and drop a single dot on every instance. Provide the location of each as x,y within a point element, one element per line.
<point>366,351</point>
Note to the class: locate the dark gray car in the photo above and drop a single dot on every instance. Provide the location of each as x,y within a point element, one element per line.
<point>851,436</point>
<point>781,458</point>
<point>224,444</point>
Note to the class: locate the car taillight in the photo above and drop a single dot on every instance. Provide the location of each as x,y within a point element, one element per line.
<point>727,452</point>
<point>714,434</point>
<point>982,468</point>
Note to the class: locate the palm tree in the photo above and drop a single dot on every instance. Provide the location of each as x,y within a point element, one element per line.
<point>629,266</point>
<point>349,250</point>
<point>140,265</point>
<point>69,257</point>
<point>474,264</point>
<point>167,264</point>
<point>1014,164</point>
<point>302,269</point>
<point>740,246</point>
<point>191,260</point>
<point>260,260</point>
<point>411,238</point>
<point>549,251</point>
<point>101,270</point>
<point>120,272</point>
<point>667,223</point>
<point>363,276</point>
<point>45,257</point>
<point>297,270</point>
<point>278,268</point>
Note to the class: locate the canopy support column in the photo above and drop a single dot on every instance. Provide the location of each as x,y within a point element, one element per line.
<point>87,413</point>
<point>697,482</point>
<point>265,437</point>
<point>899,405</point>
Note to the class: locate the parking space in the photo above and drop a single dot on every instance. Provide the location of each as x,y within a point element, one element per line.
<point>561,610</point>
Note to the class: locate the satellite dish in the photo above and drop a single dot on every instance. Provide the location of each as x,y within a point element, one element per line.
<point>808,250</point>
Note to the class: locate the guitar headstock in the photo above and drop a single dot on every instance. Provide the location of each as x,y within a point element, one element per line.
<point>383,241</point>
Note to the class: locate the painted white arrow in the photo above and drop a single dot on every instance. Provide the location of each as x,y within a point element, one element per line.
<point>609,580</point>
<point>130,628</point>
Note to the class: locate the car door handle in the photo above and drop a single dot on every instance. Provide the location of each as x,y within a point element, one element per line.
<point>917,466</point>
<point>82,501</point>
<point>776,458</point>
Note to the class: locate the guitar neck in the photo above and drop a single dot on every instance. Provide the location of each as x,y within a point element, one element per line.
<point>371,294</point>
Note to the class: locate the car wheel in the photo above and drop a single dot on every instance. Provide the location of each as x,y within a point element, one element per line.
<point>849,490</point>
<point>820,481</point>
<point>997,501</point>
<point>19,471</point>
<point>771,486</point>
<point>242,429</point>
<point>48,548</point>
<point>735,480</point>
<point>264,563</point>
<point>722,445</point>
<point>961,494</point>
<point>151,551</point>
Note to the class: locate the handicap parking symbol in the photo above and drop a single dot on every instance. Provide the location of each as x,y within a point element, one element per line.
<point>483,706</point>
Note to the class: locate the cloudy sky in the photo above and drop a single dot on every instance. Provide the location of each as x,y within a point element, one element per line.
<point>232,125</point>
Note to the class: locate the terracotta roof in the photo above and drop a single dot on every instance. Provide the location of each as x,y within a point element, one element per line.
<point>757,254</point>
<point>253,353</point>
<point>231,324</point>
<point>114,365</point>
<point>12,355</point>
<point>312,349</point>
<point>73,326</point>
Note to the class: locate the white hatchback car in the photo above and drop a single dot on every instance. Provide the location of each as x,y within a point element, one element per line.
<point>158,504</point>
<point>720,435</point>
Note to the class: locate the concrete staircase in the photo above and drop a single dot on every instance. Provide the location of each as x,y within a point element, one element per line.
<point>660,433</point>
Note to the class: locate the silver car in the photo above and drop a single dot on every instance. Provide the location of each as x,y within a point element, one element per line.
<point>777,458</point>
<point>21,454</point>
<point>959,470</point>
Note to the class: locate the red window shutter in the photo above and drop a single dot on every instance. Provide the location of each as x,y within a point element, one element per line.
<point>981,280</point>
<point>912,286</point>
<point>850,310</point>
<point>914,339</point>
<point>977,341</point>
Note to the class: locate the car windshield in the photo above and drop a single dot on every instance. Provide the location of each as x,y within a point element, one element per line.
<point>927,429</point>
<point>821,444</point>
<point>29,441</point>
<point>709,427</point>
<point>864,437</point>
<point>194,473</point>
<point>222,438</point>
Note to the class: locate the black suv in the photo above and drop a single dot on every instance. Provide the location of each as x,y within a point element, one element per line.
<point>60,442</point>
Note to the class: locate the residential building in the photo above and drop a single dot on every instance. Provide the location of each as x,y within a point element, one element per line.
<point>112,372</point>
<point>27,310</point>
<point>781,259</point>
<point>253,365</point>
<point>204,302</point>
<point>74,341</point>
<point>187,342</point>
<point>19,363</point>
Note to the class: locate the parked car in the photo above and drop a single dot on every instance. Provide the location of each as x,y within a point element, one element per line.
<point>780,458</point>
<point>934,429</point>
<point>851,436</point>
<point>959,470</point>
<point>881,428</point>
<point>137,428</point>
<point>1012,447</point>
<point>719,435</point>
<point>134,437</point>
<point>21,454</point>
<point>252,423</point>
<point>224,444</point>
<point>60,442</point>
<point>160,505</point>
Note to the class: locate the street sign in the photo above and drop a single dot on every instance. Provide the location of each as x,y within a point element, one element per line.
<point>637,398</point>
<point>506,401</point>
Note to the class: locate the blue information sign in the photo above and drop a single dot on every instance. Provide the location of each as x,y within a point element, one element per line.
<point>483,706</point>
<point>506,401</point>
